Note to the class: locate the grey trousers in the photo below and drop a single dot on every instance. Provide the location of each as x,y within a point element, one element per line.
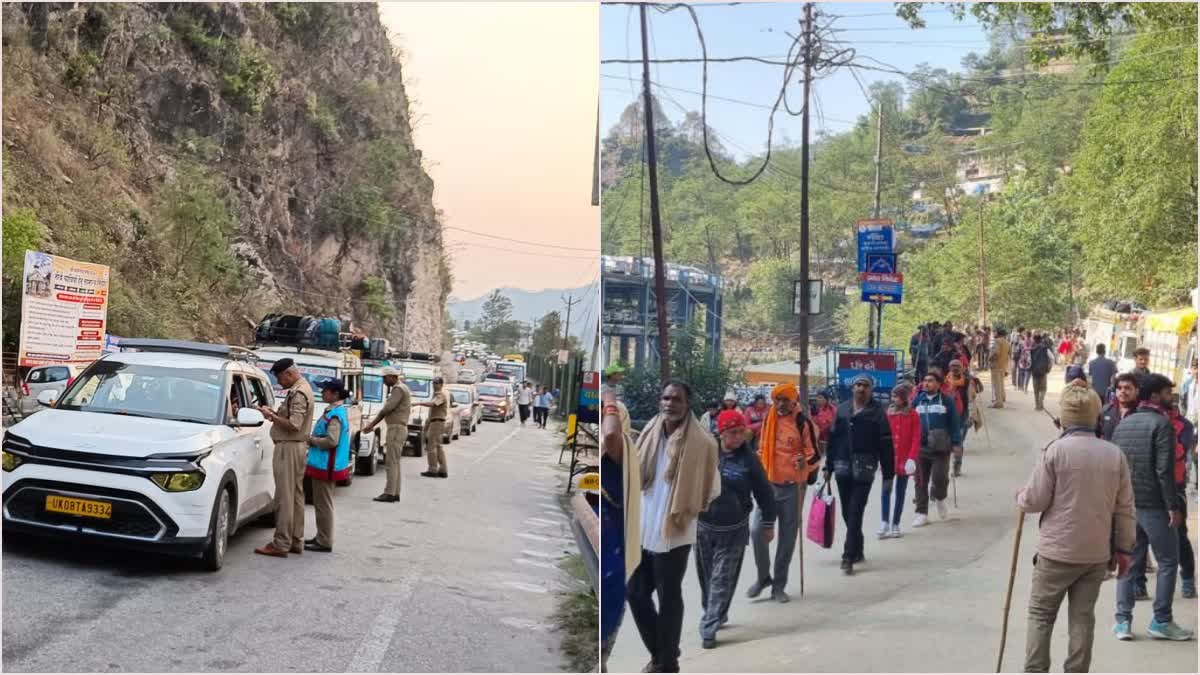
<point>787,499</point>
<point>1080,585</point>
<point>719,555</point>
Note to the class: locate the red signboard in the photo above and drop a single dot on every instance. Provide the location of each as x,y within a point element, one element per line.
<point>881,278</point>
<point>853,361</point>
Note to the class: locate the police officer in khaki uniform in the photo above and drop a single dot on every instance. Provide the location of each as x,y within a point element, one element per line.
<point>439,410</point>
<point>290,426</point>
<point>396,411</point>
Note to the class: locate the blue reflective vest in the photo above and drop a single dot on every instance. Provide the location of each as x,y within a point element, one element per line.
<point>323,464</point>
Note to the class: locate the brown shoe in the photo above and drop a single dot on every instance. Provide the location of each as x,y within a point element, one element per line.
<point>270,550</point>
<point>298,549</point>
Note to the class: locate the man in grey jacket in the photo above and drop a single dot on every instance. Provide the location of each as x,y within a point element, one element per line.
<point>1148,441</point>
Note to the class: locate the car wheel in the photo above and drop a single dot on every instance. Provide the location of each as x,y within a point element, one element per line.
<point>222,523</point>
<point>417,445</point>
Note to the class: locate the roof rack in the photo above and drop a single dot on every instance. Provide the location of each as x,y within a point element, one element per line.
<point>231,352</point>
<point>414,356</point>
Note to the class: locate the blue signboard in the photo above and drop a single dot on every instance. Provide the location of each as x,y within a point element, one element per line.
<point>887,293</point>
<point>881,263</point>
<point>874,236</point>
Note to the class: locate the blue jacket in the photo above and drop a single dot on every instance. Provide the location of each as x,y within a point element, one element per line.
<point>937,411</point>
<point>322,464</point>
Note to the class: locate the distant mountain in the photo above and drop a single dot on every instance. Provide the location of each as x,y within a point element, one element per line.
<point>530,306</point>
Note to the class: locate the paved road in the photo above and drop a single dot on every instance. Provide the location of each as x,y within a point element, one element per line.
<point>929,602</point>
<point>461,575</point>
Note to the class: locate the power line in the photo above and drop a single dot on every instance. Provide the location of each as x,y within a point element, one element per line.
<point>540,254</point>
<point>518,241</point>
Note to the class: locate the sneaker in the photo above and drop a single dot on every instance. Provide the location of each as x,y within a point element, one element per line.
<point>921,520</point>
<point>779,595</point>
<point>1169,631</point>
<point>709,643</point>
<point>1122,631</point>
<point>895,532</point>
<point>757,587</point>
<point>882,532</point>
<point>1189,588</point>
<point>941,508</point>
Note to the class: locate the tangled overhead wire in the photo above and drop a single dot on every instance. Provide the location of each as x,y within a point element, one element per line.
<point>794,60</point>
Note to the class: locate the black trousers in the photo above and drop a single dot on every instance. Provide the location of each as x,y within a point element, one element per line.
<point>540,416</point>
<point>854,496</point>
<point>660,574</point>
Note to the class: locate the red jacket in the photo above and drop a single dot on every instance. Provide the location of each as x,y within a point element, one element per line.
<point>906,437</point>
<point>1180,451</point>
<point>824,419</point>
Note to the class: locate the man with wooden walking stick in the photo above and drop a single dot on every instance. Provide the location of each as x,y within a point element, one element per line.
<point>1081,486</point>
<point>788,451</point>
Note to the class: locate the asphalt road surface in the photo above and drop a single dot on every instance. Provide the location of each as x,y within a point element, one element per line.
<point>461,575</point>
<point>931,601</point>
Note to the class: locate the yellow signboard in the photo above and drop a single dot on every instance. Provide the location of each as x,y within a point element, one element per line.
<point>64,310</point>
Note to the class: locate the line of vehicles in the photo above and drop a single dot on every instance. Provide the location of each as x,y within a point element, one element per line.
<point>1122,327</point>
<point>161,445</point>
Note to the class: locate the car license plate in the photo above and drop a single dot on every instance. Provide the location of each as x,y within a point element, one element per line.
<point>79,507</point>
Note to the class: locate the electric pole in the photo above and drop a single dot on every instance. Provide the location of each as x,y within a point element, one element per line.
<point>570,301</point>
<point>875,318</point>
<point>983,268</point>
<point>804,296</point>
<point>660,279</point>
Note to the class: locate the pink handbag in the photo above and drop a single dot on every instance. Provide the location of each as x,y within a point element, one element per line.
<point>822,517</point>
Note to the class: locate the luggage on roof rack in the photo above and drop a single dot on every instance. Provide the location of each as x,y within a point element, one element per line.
<point>414,356</point>
<point>304,331</point>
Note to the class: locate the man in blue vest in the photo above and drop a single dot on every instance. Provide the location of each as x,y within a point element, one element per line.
<point>328,461</point>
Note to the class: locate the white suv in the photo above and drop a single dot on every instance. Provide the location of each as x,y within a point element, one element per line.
<point>160,448</point>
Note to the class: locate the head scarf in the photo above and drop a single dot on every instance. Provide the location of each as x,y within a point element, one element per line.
<point>786,390</point>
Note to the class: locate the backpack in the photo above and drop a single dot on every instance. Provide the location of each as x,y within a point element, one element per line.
<point>1040,361</point>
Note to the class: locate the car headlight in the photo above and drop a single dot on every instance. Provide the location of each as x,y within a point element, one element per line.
<point>11,461</point>
<point>179,482</point>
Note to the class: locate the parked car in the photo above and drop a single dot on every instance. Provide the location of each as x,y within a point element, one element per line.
<point>470,410</point>
<point>45,378</point>
<point>160,446</point>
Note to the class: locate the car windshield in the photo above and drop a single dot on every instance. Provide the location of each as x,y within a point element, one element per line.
<point>419,388</point>
<point>510,369</point>
<point>492,390</point>
<point>372,388</point>
<point>118,388</point>
<point>461,396</point>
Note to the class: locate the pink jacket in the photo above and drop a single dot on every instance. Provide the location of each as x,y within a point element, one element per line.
<point>906,437</point>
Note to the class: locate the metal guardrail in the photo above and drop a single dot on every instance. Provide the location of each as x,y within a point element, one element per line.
<point>586,526</point>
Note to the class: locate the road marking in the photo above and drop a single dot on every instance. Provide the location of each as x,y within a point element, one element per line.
<point>369,656</point>
<point>535,563</point>
<point>541,554</point>
<point>496,446</point>
<point>546,521</point>
<point>522,586</point>
<point>535,537</point>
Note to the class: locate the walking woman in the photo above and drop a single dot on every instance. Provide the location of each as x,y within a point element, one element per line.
<point>1025,364</point>
<point>724,529</point>
<point>906,438</point>
<point>328,461</point>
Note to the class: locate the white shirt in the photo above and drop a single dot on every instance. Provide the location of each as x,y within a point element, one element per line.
<point>656,501</point>
<point>524,396</point>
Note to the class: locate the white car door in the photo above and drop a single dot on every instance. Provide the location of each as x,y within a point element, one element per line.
<point>243,452</point>
<point>263,482</point>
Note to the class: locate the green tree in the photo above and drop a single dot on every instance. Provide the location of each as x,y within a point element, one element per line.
<point>547,337</point>
<point>22,232</point>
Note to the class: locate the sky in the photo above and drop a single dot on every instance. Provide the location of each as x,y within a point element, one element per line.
<point>504,100</point>
<point>760,29</point>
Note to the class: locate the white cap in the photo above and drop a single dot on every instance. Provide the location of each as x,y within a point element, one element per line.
<point>391,371</point>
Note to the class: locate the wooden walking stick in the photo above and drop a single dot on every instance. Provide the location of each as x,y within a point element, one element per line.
<point>1012,575</point>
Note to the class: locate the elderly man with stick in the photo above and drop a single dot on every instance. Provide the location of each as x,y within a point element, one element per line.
<point>789,453</point>
<point>1081,486</point>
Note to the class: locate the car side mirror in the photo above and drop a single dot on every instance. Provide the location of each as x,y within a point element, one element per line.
<point>48,397</point>
<point>249,417</point>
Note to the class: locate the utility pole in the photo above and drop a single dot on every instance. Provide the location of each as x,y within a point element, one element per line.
<point>571,302</point>
<point>983,267</point>
<point>875,319</point>
<point>804,296</point>
<point>660,279</point>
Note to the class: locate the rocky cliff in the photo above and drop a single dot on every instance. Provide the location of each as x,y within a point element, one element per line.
<point>226,160</point>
